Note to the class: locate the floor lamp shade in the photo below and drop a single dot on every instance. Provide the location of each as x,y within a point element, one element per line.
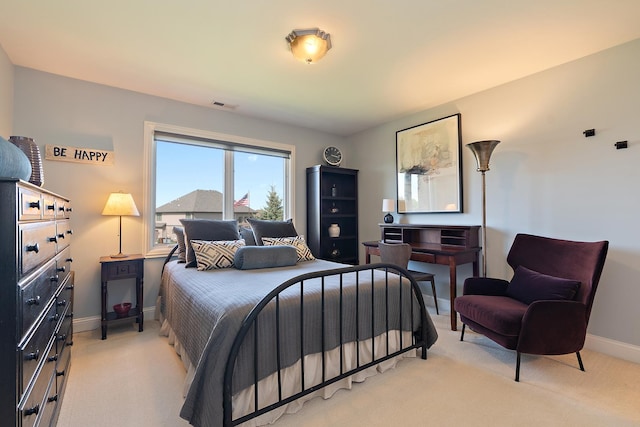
<point>482,151</point>
<point>120,204</point>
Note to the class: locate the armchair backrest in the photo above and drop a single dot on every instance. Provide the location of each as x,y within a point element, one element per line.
<point>568,259</point>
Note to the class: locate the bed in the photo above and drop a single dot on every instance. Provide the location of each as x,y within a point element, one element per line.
<point>258,342</point>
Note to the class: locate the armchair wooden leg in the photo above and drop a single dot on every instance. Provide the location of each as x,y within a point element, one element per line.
<point>517,366</point>
<point>580,361</point>
<point>462,333</point>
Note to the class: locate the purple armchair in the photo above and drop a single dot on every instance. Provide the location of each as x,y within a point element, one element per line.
<point>545,308</point>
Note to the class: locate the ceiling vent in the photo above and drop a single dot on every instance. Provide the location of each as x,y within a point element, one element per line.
<point>222,105</point>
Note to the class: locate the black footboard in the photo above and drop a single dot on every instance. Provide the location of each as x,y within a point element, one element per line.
<point>412,317</point>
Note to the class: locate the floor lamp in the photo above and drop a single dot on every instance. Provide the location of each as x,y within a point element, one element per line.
<point>120,204</point>
<point>482,151</point>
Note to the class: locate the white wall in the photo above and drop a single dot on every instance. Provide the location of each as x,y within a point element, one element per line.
<point>546,178</point>
<point>56,110</point>
<point>6,95</point>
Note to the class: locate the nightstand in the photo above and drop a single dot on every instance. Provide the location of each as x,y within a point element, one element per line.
<point>129,267</point>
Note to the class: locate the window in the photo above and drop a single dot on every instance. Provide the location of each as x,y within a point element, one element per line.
<point>197,174</point>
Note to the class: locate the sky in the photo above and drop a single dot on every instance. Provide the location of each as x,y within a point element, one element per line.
<point>182,168</point>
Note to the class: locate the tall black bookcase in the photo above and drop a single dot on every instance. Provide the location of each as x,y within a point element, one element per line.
<point>332,198</point>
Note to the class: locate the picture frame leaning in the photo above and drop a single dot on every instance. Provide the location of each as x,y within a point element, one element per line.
<point>429,167</point>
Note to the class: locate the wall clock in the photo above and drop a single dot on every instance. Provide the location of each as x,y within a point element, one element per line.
<point>332,155</point>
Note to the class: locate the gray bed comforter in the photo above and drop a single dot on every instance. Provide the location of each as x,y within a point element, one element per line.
<point>205,309</point>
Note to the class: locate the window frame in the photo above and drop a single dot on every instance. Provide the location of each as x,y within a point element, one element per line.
<point>152,250</point>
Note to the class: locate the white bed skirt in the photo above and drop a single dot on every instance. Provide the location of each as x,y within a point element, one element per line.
<point>243,401</point>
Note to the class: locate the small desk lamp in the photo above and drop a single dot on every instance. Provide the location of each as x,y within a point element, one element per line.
<point>120,204</point>
<point>388,205</point>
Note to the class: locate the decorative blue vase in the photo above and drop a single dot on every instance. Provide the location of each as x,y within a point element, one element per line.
<point>13,162</point>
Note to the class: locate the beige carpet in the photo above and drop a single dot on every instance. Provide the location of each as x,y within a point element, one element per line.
<point>135,379</point>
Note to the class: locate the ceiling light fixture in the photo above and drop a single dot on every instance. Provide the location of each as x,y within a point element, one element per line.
<point>309,45</point>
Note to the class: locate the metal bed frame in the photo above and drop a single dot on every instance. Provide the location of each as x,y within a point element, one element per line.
<point>419,339</point>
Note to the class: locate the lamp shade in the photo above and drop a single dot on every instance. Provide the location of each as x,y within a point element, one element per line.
<point>120,204</point>
<point>482,151</point>
<point>388,205</point>
<point>309,45</point>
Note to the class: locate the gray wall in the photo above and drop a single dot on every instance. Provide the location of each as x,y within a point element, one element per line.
<point>546,178</point>
<point>6,95</point>
<point>57,110</point>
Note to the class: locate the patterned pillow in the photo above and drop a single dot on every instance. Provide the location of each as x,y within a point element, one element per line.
<point>212,255</point>
<point>209,230</point>
<point>304,253</point>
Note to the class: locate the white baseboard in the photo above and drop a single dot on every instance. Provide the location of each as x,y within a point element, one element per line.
<point>90,323</point>
<point>618,349</point>
<point>603,345</point>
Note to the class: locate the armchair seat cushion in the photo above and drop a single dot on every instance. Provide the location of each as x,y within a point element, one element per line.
<point>500,314</point>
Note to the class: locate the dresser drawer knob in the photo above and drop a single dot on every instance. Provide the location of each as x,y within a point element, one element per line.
<point>69,287</point>
<point>55,317</point>
<point>52,358</point>
<point>61,269</point>
<point>62,337</point>
<point>62,303</point>
<point>34,301</point>
<point>32,411</point>
<point>54,279</point>
<point>68,315</point>
<point>52,398</point>
<point>51,207</point>
<point>60,373</point>
<point>33,248</point>
<point>69,209</point>
<point>53,239</point>
<point>69,260</point>
<point>61,236</point>
<point>35,205</point>
<point>33,355</point>
<point>69,231</point>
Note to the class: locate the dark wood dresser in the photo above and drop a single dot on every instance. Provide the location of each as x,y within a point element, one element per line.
<point>36,303</point>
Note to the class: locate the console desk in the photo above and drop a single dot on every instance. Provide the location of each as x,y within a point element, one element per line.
<point>450,245</point>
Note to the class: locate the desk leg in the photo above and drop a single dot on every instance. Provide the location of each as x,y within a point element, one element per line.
<point>367,256</point>
<point>453,290</point>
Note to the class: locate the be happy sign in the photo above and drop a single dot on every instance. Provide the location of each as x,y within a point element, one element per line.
<point>78,155</point>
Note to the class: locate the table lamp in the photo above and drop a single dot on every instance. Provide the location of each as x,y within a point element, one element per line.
<point>120,204</point>
<point>388,205</point>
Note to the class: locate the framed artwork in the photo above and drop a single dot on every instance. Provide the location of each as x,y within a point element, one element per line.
<point>429,167</point>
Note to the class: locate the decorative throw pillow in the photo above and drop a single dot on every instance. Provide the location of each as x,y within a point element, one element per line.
<point>182,248</point>
<point>212,255</point>
<point>251,257</point>
<point>246,233</point>
<point>528,286</point>
<point>304,253</point>
<point>207,229</point>
<point>267,228</point>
